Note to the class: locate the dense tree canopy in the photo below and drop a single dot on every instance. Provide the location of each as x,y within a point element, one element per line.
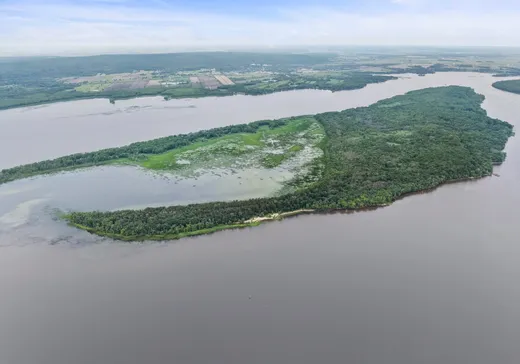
<point>372,156</point>
<point>509,86</point>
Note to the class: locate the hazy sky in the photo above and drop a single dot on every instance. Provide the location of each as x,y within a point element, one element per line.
<point>30,27</point>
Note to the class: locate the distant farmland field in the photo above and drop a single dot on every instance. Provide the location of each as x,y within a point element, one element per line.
<point>224,80</point>
<point>209,82</point>
<point>134,85</point>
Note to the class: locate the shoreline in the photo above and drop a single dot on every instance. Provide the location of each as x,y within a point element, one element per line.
<point>109,99</point>
<point>504,90</point>
<point>343,195</point>
<point>256,221</point>
<point>168,97</point>
<point>113,100</point>
<point>335,194</point>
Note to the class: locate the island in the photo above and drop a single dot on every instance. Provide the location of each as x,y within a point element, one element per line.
<point>512,86</point>
<point>354,159</point>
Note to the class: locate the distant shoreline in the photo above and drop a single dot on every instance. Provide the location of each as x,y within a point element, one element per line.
<point>162,92</point>
<point>220,93</point>
<point>112,100</point>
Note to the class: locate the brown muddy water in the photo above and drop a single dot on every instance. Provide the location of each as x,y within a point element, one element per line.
<point>431,279</point>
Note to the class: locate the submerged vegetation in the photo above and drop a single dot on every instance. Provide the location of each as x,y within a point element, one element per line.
<point>265,144</point>
<point>372,156</point>
<point>294,144</point>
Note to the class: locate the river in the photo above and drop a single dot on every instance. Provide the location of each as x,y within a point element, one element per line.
<point>431,279</point>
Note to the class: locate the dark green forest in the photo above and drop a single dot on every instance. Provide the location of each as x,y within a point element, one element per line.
<point>53,91</point>
<point>509,86</point>
<point>372,156</point>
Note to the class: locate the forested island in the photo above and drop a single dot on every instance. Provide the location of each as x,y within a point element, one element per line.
<point>509,86</point>
<point>371,156</point>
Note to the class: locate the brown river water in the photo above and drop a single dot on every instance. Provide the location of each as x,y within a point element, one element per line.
<point>431,279</point>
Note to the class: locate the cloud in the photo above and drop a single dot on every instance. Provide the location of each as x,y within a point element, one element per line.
<point>116,26</point>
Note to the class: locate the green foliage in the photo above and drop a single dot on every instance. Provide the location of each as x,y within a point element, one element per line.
<point>202,149</point>
<point>509,86</point>
<point>295,148</point>
<point>337,82</point>
<point>373,155</point>
<point>33,81</point>
<point>139,152</point>
<point>273,160</point>
<point>54,91</point>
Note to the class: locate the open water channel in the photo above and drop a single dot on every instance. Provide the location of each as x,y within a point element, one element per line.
<point>431,279</point>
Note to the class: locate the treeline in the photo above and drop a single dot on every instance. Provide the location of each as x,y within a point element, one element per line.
<point>440,67</point>
<point>348,82</point>
<point>132,151</point>
<point>17,97</point>
<point>509,86</point>
<point>507,73</point>
<point>372,156</point>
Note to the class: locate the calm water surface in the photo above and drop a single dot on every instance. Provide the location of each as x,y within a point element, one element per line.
<point>431,279</point>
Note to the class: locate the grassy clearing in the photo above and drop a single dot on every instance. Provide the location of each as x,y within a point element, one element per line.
<point>93,87</point>
<point>267,148</point>
<point>252,139</point>
<point>273,160</point>
<point>295,148</point>
<point>169,160</point>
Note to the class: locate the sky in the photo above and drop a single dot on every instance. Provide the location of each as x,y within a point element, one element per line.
<point>80,27</point>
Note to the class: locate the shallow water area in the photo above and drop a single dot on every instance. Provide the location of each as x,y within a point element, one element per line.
<point>431,279</point>
<point>35,201</point>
